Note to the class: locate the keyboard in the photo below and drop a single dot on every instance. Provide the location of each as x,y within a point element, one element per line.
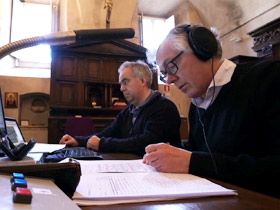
<point>79,153</point>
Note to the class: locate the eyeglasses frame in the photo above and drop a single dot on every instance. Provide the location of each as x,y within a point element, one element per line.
<point>164,74</point>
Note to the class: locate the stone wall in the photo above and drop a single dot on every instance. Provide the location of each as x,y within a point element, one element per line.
<point>91,14</point>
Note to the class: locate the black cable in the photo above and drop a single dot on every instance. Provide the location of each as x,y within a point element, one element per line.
<point>213,79</point>
<point>206,143</point>
<point>202,124</point>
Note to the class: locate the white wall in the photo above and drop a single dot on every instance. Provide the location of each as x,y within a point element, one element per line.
<point>180,99</point>
<point>233,18</point>
<point>23,85</point>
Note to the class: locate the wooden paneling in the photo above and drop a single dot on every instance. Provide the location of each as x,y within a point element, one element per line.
<point>66,68</point>
<point>67,93</point>
<point>112,71</point>
<point>93,69</point>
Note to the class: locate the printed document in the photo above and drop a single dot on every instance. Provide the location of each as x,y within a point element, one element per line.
<point>114,166</point>
<point>129,181</point>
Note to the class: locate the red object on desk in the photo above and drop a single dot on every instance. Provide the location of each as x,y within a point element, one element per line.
<point>23,191</point>
<point>22,195</point>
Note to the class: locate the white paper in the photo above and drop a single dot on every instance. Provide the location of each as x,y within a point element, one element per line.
<point>41,147</point>
<point>144,185</point>
<point>107,188</point>
<point>114,166</point>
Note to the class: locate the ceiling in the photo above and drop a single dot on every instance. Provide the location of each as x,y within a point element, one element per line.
<point>158,8</point>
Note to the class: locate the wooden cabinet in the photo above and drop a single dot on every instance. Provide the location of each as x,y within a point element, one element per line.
<point>267,40</point>
<point>83,75</point>
<point>266,43</point>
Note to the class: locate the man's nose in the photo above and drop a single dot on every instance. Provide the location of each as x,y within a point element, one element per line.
<point>171,78</point>
<point>122,88</point>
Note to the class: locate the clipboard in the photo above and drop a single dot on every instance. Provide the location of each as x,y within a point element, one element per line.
<point>65,175</point>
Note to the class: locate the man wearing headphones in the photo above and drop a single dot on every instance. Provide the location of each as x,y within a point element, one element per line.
<point>234,116</point>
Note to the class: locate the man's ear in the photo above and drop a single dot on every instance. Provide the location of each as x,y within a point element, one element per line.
<point>143,81</point>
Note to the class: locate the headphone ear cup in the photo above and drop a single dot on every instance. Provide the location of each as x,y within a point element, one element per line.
<point>202,42</point>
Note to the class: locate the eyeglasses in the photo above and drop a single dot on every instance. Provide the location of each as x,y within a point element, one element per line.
<point>170,68</point>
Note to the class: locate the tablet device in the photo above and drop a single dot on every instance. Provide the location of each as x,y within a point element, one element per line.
<point>19,149</point>
<point>13,131</point>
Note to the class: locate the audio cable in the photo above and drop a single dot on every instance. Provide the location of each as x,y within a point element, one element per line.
<point>202,124</point>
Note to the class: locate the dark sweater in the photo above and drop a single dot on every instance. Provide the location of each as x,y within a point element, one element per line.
<point>242,128</point>
<point>158,121</point>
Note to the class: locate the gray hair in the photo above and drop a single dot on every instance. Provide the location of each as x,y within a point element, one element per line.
<point>139,70</point>
<point>180,42</point>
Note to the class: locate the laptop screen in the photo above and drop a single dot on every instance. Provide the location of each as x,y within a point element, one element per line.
<point>13,131</point>
<point>2,120</point>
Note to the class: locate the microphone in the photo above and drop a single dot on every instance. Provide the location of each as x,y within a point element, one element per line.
<point>69,37</point>
<point>89,35</point>
<point>103,34</point>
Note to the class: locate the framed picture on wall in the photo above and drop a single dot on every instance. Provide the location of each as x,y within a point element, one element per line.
<point>11,100</point>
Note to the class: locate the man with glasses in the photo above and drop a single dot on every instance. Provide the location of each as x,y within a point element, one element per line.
<point>234,116</point>
<point>150,117</point>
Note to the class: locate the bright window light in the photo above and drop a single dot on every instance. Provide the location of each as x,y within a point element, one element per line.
<point>30,20</point>
<point>154,32</point>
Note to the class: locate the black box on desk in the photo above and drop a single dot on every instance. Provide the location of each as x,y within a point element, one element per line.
<point>65,175</point>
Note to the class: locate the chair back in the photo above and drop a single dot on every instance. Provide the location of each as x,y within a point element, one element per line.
<point>82,126</point>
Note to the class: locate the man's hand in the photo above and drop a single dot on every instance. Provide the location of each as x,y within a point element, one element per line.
<point>166,158</point>
<point>93,143</point>
<point>69,141</point>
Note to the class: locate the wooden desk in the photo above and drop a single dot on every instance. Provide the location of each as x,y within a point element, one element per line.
<point>246,199</point>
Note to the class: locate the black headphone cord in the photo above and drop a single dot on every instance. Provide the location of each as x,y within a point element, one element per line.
<point>202,124</point>
<point>213,79</point>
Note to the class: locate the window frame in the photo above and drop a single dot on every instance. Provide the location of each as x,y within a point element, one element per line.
<point>54,23</point>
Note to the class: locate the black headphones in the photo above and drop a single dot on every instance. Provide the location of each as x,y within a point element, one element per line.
<point>202,41</point>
